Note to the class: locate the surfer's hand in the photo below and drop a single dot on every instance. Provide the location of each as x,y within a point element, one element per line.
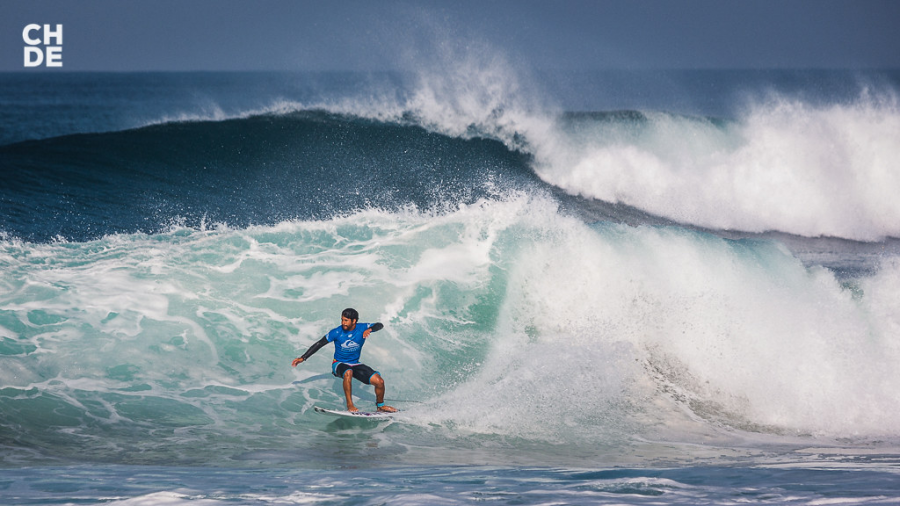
<point>296,361</point>
<point>366,333</point>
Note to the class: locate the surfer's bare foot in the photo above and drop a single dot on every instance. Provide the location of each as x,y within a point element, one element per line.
<point>352,409</point>
<point>387,409</point>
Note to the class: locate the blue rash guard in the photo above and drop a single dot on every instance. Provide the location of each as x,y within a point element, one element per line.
<point>348,344</point>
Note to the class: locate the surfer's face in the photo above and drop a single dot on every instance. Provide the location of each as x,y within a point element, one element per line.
<point>347,323</point>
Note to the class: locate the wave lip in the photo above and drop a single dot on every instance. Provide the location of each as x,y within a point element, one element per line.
<point>784,166</point>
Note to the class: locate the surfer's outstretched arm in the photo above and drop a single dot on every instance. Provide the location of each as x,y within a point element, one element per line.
<point>374,328</point>
<point>311,351</point>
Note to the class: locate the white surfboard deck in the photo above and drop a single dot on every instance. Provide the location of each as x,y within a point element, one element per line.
<point>371,415</point>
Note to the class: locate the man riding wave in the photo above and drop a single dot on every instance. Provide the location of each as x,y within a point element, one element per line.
<point>348,341</point>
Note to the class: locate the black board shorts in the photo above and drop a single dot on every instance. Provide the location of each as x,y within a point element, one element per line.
<point>361,372</point>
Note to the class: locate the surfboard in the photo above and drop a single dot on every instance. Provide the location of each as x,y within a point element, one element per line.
<point>365,415</point>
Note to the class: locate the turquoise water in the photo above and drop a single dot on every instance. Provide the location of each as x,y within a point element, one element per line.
<point>453,485</point>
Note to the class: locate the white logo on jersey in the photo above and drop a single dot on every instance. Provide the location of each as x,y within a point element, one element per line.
<point>349,345</point>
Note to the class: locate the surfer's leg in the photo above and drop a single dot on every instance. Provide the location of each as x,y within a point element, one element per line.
<point>348,390</point>
<point>377,382</point>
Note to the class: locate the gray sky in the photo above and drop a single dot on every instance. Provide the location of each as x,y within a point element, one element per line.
<point>145,35</point>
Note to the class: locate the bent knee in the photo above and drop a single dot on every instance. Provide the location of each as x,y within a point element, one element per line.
<point>376,380</point>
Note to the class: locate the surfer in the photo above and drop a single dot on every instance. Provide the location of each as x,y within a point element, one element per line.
<point>348,341</point>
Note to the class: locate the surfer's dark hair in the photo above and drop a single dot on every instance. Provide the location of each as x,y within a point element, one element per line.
<point>350,314</point>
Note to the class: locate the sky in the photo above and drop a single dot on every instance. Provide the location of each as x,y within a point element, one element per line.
<point>372,35</point>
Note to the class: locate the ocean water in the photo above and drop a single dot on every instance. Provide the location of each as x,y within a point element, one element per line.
<point>597,288</point>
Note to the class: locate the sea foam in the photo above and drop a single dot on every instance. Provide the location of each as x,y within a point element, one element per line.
<point>784,165</point>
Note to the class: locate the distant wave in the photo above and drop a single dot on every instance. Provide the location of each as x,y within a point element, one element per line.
<point>261,169</point>
<point>784,166</point>
<point>785,163</point>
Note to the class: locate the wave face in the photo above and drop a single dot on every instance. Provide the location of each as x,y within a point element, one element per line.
<point>508,326</point>
<point>262,169</point>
